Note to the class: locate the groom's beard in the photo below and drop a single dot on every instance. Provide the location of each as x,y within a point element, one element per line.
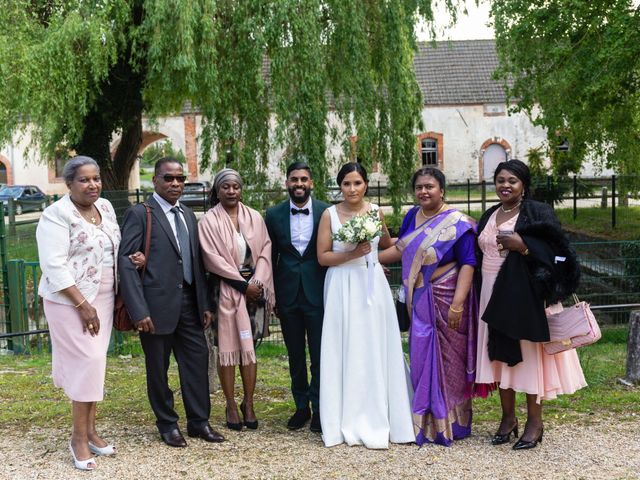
<point>299,199</point>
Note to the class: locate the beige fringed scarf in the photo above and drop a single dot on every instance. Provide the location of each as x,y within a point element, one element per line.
<point>219,251</point>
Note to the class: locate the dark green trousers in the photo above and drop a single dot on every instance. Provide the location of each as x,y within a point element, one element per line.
<point>302,321</point>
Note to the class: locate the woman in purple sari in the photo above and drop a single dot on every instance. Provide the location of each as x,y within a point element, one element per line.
<point>436,246</point>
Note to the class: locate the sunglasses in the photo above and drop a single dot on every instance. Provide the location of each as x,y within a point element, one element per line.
<point>171,178</point>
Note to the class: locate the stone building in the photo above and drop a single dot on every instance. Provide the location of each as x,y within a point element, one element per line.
<point>467,127</point>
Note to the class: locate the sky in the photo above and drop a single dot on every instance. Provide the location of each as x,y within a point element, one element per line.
<point>471,26</point>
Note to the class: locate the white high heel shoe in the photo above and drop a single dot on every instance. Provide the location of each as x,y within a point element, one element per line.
<point>105,451</point>
<point>82,464</point>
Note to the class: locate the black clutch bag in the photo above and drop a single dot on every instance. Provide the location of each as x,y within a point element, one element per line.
<point>404,321</point>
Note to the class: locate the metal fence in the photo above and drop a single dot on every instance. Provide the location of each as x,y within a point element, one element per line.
<point>609,282</point>
<point>610,196</point>
<point>610,270</point>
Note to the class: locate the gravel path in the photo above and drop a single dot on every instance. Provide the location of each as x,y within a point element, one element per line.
<point>590,449</point>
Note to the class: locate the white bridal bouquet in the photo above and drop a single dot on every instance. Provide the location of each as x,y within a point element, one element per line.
<point>360,228</point>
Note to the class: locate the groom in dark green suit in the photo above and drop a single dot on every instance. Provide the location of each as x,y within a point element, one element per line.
<point>299,284</point>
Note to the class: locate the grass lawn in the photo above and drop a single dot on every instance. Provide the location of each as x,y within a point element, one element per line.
<point>596,222</point>
<point>146,174</point>
<point>28,397</point>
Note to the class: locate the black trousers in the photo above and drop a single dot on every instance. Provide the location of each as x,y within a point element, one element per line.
<point>190,350</point>
<point>300,320</point>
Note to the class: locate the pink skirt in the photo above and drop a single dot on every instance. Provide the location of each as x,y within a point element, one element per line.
<point>79,360</point>
<point>545,376</point>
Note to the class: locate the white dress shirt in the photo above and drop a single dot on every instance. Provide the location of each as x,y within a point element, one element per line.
<point>166,208</point>
<point>301,226</point>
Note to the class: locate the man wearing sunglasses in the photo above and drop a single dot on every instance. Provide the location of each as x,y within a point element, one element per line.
<point>170,306</point>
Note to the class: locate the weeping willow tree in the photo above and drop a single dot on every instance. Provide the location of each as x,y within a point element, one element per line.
<point>263,74</point>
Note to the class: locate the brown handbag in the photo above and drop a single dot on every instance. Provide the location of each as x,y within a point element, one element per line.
<point>121,319</point>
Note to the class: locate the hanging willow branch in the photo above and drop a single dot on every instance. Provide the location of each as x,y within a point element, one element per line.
<point>266,75</point>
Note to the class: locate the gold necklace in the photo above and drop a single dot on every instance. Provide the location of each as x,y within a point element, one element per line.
<point>508,210</point>
<point>92,218</point>
<point>431,216</point>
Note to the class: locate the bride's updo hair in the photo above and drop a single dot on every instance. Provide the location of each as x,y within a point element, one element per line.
<point>351,167</point>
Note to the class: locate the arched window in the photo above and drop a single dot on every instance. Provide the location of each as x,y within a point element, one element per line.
<point>429,152</point>
<point>492,152</point>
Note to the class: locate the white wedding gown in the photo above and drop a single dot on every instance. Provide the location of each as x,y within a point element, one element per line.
<point>364,385</point>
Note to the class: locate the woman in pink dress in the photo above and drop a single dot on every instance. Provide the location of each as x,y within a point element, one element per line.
<point>78,238</point>
<point>527,264</point>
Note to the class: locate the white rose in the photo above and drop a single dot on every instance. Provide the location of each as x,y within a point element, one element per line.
<point>370,227</point>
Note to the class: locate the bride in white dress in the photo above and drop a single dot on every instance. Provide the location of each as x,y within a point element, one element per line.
<point>364,389</point>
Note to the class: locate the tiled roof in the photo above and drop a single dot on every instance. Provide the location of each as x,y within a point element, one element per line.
<point>448,73</point>
<point>458,72</point>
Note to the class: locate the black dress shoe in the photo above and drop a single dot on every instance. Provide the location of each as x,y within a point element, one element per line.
<point>500,438</point>
<point>315,426</point>
<point>206,433</point>
<point>525,445</point>
<point>174,438</point>
<point>299,419</point>
<point>253,425</point>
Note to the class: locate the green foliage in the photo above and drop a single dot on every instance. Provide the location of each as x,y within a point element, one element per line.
<point>158,150</point>
<point>574,67</point>
<point>394,222</point>
<point>544,187</point>
<point>84,71</point>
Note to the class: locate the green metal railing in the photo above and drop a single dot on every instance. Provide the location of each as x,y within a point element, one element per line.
<point>610,282</point>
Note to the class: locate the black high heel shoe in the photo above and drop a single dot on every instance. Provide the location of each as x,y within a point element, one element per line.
<point>524,445</point>
<point>500,438</point>
<point>251,425</point>
<point>233,426</point>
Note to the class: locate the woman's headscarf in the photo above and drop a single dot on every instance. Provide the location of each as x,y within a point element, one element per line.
<point>224,175</point>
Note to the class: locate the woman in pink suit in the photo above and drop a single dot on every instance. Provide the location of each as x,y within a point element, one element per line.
<point>78,238</point>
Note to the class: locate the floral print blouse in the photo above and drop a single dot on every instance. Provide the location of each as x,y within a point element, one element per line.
<point>71,249</point>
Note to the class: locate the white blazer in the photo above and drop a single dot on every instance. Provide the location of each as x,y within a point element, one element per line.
<point>71,249</point>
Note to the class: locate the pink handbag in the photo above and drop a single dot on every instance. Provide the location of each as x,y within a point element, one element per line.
<point>571,328</point>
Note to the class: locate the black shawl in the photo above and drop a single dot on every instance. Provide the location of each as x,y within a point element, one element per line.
<point>526,283</point>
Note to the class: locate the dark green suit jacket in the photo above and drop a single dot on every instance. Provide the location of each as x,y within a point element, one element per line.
<point>292,271</point>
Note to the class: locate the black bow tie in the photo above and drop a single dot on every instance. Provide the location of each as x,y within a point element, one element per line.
<point>304,211</point>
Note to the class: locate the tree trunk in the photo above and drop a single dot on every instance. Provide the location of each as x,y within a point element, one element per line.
<point>118,110</point>
<point>633,350</point>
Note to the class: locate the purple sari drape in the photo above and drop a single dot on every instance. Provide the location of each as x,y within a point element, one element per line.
<point>442,360</point>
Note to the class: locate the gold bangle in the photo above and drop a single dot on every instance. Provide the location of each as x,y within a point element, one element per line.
<point>83,300</point>
<point>526,252</point>
<point>456,311</point>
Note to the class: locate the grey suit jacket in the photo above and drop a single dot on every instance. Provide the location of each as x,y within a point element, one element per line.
<point>159,295</point>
